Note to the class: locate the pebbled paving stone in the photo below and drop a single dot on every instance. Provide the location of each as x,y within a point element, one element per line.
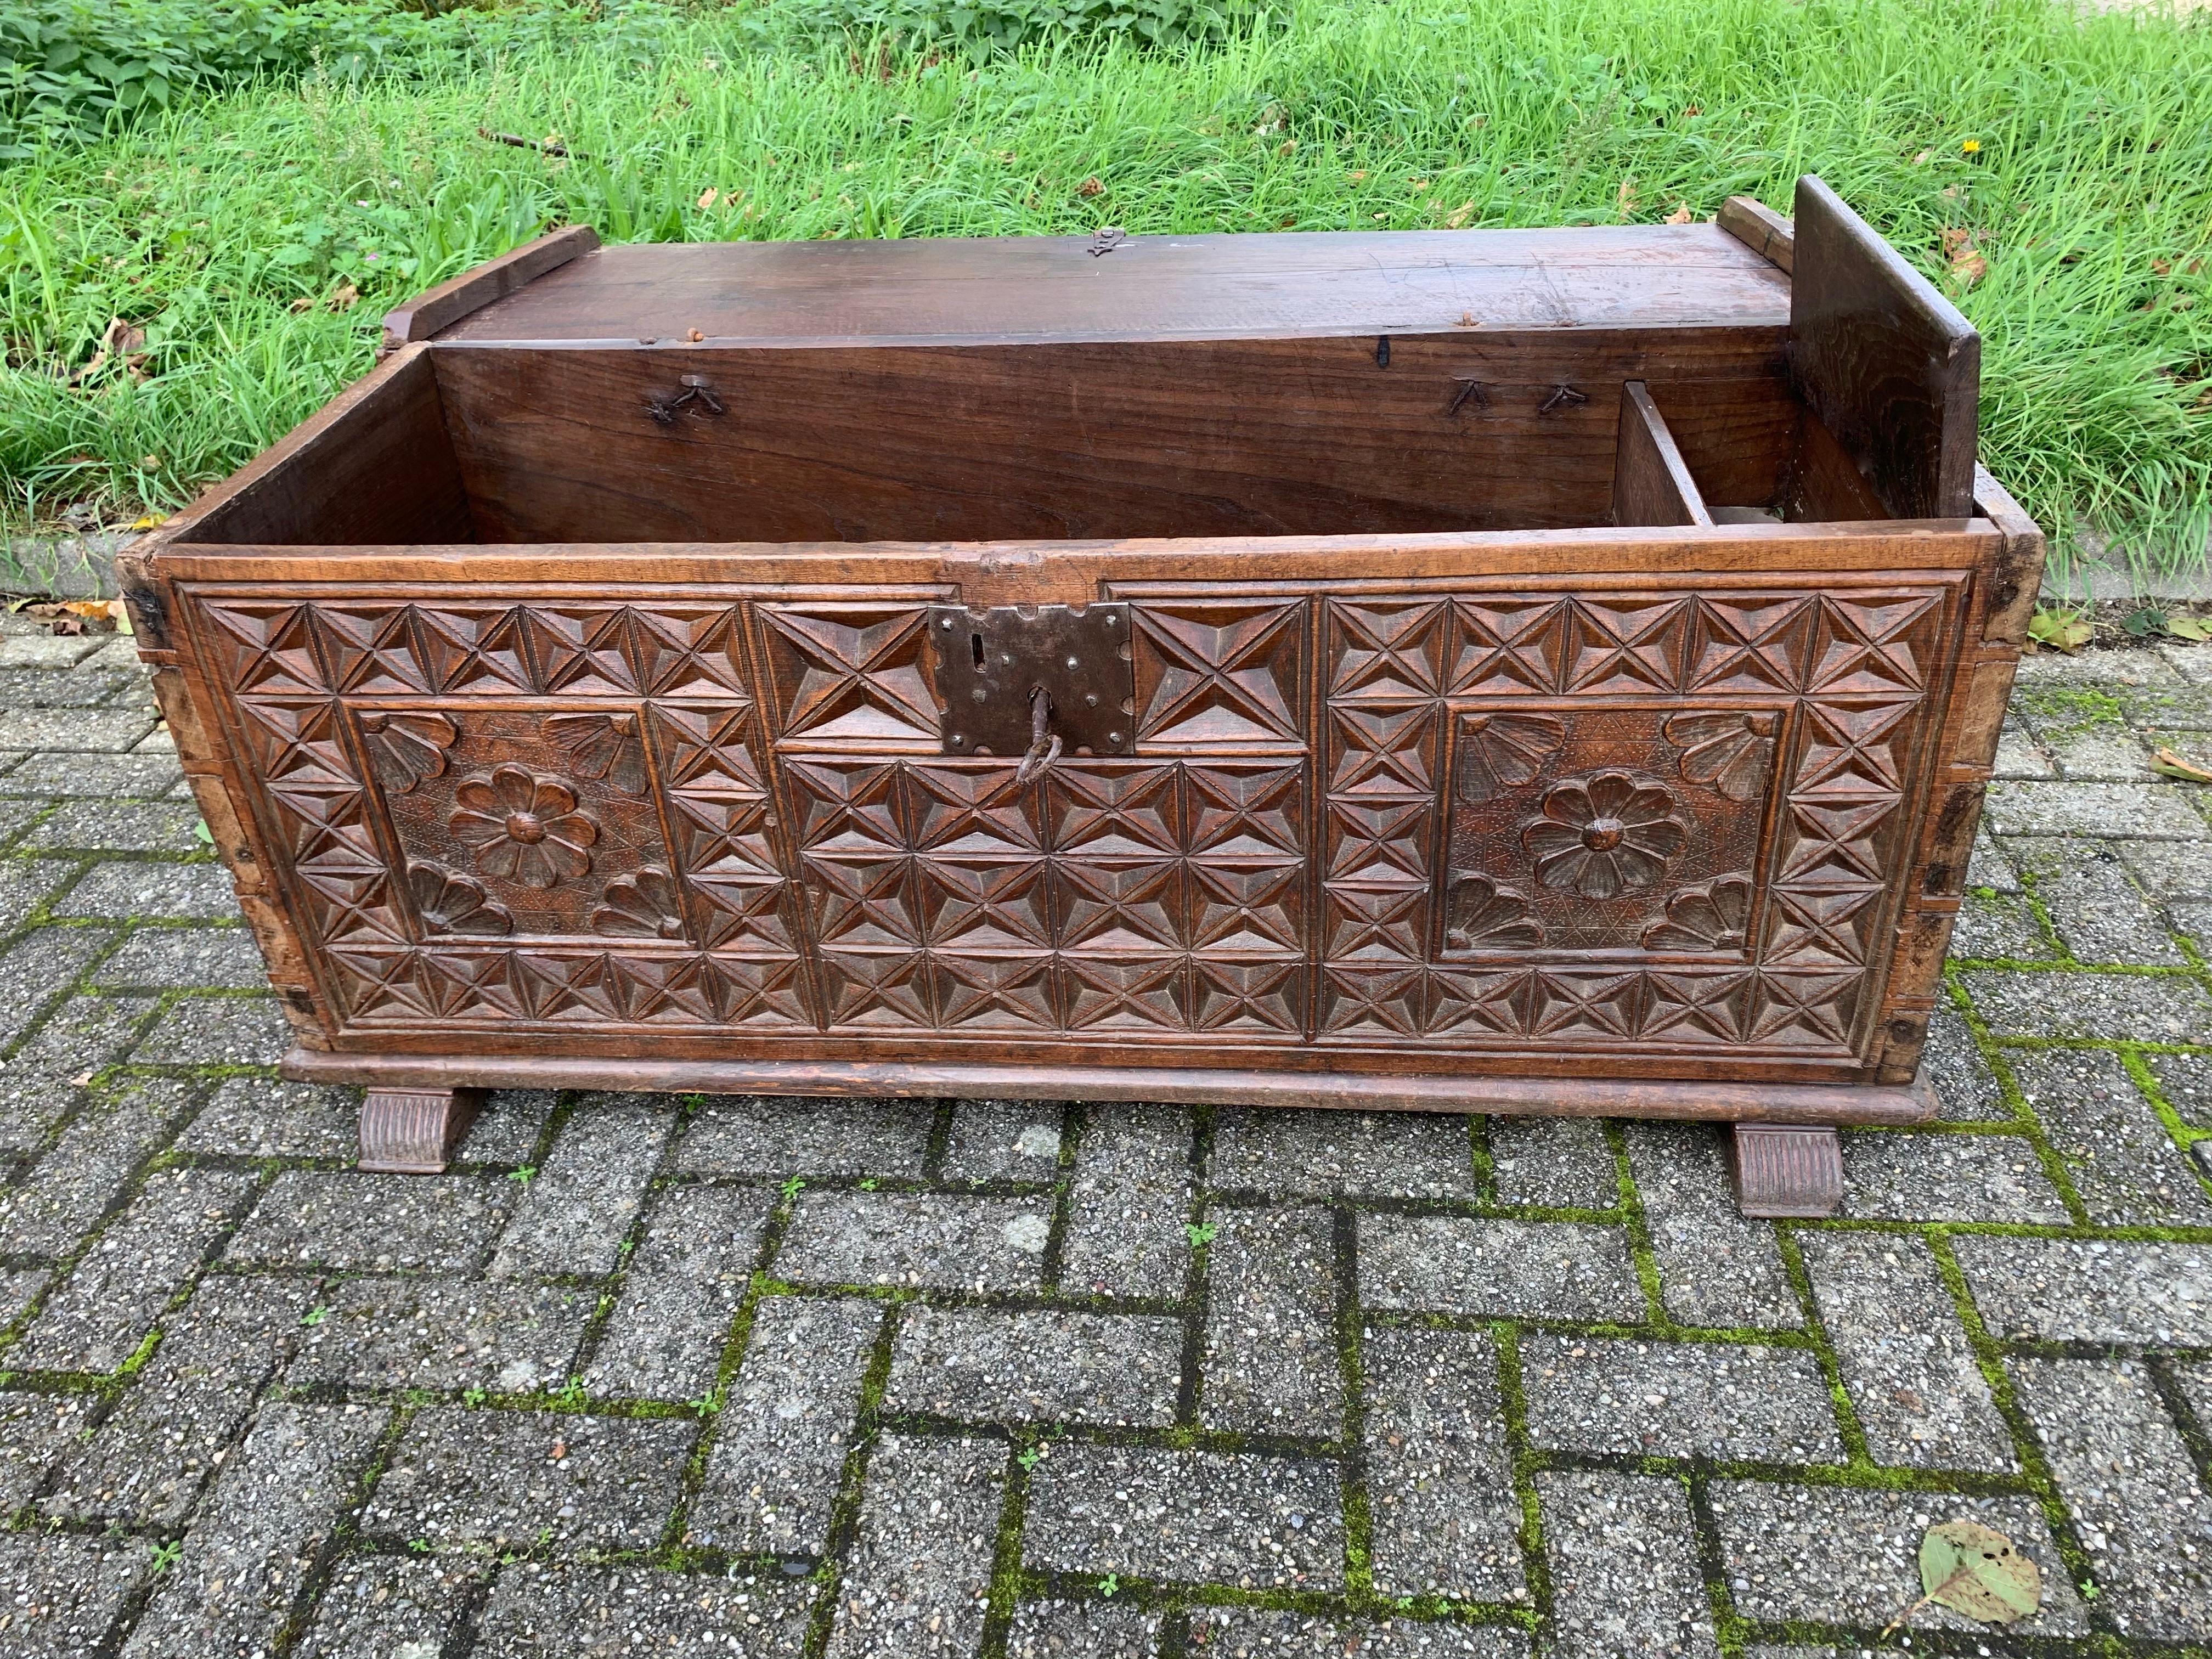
<point>260,1117</point>
<point>2031,807</point>
<point>2070,1290</point>
<point>38,1086</point>
<point>508,1129</point>
<point>251,1546</point>
<point>88,1169</point>
<point>1679,1399</point>
<point>1905,1174</point>
<point>1445,1519</point>
<point>2139,1509</point>
<point>1904,1354</point>
<point>186,958</point>
<point>781,1437</point>
<point>680,1295</point>
<point>1715,1267</point>
<point>915,1238</point>
<point>1236,1632</point>
<point>2139,1007</point>
<point>573,1215</point>
<point>1333,1154</point>
<point>2002,927</point>
<point>441,1332</point>
<point>36,1430</point>
<point>112,826</point>
<point>1624,1579</point>
<point>1004,1140</point>
<point>984,1365</point>
<point>1271,1365</point>
<point>473,1480</point>
<point>1963,1080</point>
<point>39,966</point>
<point>144,892</point>
<point>2119,1156</point>
<point>93,1321</point>
<point>102,777</point>
<point>570,1610</point>
<point>216,1031</point>
<point>146,1464</point>
<point>784,1135</point>
<point>2184,1083</point>
<point>2100,915</point>
<point>1129,1205</point>
<point>1082,1630</point>
<point>1835,1555</point>
<point>1553,1163</point>
<point>376,1223</point>
<point>1233,1518</point>
<point>61,1596</point>
<point>389,1607</point>
<point>1462,1265</point>
<point>918,1579</point>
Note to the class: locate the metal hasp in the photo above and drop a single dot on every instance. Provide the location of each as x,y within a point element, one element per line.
<point>988,663</point>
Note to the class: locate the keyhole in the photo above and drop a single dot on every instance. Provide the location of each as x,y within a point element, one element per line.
<point>975,644</point>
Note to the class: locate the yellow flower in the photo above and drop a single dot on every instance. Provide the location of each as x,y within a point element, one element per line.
<point>1972,147</point>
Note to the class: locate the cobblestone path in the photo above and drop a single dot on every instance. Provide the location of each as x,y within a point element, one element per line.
<point>723,1376</point>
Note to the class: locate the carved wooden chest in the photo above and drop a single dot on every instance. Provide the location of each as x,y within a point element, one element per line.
<point>1520,671</point>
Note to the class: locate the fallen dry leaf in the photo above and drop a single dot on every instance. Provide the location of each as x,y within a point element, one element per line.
<point>1967,265</point>
<point>2167,764</point>
<point>121,342</point>
<point>707,198</point>
<point>1458,215</point>
<point>1681,216</point>
<point>1091,186</point>
<point>343,297</point>
<point>1623,199</point>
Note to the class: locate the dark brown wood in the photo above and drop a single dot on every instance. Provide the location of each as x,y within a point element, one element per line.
<point>415,1131</point>
<point>1651,481</point>
<point>566,710</point>
<point>1759,228</point>
<point>451,301</point>
<point>1787,1172</point>
<point>1886,364</point>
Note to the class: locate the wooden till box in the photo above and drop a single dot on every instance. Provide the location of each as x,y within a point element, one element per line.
<point>1547,671</point>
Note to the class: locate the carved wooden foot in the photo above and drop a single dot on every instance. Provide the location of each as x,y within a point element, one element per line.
<point>1787,1169</point>
<point>415,1131</point>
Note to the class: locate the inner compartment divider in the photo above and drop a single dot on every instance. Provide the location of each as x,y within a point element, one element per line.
<point>1651,481</point>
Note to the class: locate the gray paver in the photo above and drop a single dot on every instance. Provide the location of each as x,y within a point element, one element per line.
<point>79,1037</point>
<point>216,1031</point>
<point>569,1611</point>
<point>1906,1360</point>
<point>2185,1082</point>
<point>1082,1630</point>
<point>96,730</point>
<point>1235,1518</point>
<point>783,1435</point>
<point>1445,1519</point>
<point>1458,1264</point>
<point>253,1543</point>
<point>1625,1580</point>
<point>1328,1154</point>
<point>2090,1291</point>
<point>345,1218</point>
<point>1679,1399</point>
<point>682,1288</point>
<point>387,1606</point>
<point>1004,1140</point>
<point>261,1117</point>
<point>69,1188</point>
<point>1271,1365</point>
<point>785,1135</point>
<point>1963,1080</point>
<point>2138,1507</point>
<point>1130,1204</point>
<point>2142,1007</point>
<point>440,1332</point>
<point>2169,869</point>
<point>119,827</point>
<point>2002,927</point>
<point>573,1215</point>
<point>59,1596</point>
<point>2119,1157</point>
<point>508,1129</point>
<point>1839,1556</point>
<point>915,1238</point>
<point>465,1480</point>
<point>1555,1163</point>
<point>984,1365</point>
<point>2034,808</point>
<point>35,1429</point>
<point>1278,1635</point>
<point>2100,914</point>
<point>101,776</point>
<point>1905,1175</point>
<point>125,888</point>
<point>1715,1266</point>
<point>918,1578</point>
<point>93,1321</point>
<point>212,958</point>
<point>40,964</point>
<point>148,1461</point>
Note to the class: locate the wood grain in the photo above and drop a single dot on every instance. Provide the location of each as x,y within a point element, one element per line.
<point>1759,228</point>
<point>473,289</point>
<point>1651,481</point>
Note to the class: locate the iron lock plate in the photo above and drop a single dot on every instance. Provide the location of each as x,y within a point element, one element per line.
<point>988,663</point>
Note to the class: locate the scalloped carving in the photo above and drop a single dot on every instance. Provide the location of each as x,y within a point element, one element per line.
<point>1487,917</point>
<point>603,746</point>
<point>641,906</point>
<point>410,748</point>
<point>1733,751</point>
<point>1713,916</point>
<point>1503,751</point>
<point>450,902</point>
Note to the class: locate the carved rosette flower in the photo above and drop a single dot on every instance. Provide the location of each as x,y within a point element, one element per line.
<point>1608,834</point>
<point>450,902</point>
<point>1487,917</point>
<point>1714,915</point>
<point>1732,751</point>
<point>409,747</point>
<point>603,746</point>
<point>522,827</point>
<point>641,906</point>
<point>1503,751</point>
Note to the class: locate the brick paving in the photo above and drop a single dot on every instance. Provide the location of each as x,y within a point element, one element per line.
<point>747,1377</point>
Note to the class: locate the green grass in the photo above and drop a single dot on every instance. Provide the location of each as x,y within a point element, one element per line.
<point>2089,194</point>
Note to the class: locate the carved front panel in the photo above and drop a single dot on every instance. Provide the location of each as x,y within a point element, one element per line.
<point>1458,821</point>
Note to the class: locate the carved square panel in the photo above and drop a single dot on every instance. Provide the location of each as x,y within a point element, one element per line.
<point>1107,809</point>
<point>1117,907</point>
<point>1122,993</point>
<point>1244,812</point>
<point>995,993</point>
<point>505,830</point>
<point>1247,996</point>
<point>984,905</point>
<point>1220,673</point>
<point>854,900</point>
<point>1241,908</point>
<point>853,674</point>
<point>1387,648</point>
